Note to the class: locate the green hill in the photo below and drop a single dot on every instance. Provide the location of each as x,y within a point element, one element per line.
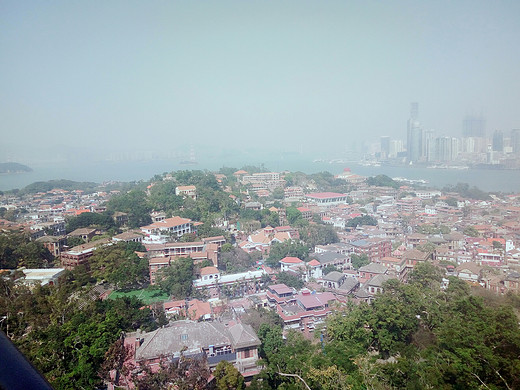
<point>12,167</point>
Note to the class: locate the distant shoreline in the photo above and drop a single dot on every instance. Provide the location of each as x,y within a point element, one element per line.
<point>491,180</point>
<point>12,168</point>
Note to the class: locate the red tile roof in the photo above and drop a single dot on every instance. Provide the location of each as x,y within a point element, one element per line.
<point>325,195</point>
<point>291,260</point>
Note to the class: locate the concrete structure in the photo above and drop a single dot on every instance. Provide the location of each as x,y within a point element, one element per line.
<point>41,276</point>
<point>159,232</point>
<point>186,191</point>
<point>326,199</point>
<point>375,248</point>
<point>79,254</point>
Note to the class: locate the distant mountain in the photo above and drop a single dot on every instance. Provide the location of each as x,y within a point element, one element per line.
<point>12,167</point>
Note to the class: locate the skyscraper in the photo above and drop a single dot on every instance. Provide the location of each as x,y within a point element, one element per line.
<point>414,135</point>
<point>385,147</point>
<point>474,126</point>
<point>515,141</point>
<point>428,145</point>
<point>498,141</point>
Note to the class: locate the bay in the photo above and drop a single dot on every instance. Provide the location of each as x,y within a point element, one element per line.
<point>101,171</point>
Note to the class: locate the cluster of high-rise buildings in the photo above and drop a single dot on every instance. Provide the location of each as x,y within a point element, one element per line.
<point>425,146</point>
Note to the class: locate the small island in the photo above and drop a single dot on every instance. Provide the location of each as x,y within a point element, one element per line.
<point>12,167</point>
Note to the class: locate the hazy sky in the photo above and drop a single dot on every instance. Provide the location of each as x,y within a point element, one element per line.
<point>149,75</point>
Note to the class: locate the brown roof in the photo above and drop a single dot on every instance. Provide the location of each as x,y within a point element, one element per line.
<point>209,270</point>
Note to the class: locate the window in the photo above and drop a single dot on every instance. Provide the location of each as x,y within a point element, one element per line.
<point>247,353</point>
<point>184,337</point>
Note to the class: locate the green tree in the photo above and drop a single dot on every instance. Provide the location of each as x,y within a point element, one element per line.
<point>177,279</point>
<point>471,231</point>
<point>256,317</point>
<point>163,197</point>
<point>428,247</point>
<point>287,248</point>
<point>119,264</point>
<point>382,181</point>
<point>293,215</point>
<point>363,220</point>
<point>318,234</point>
<point>359,261</point>
<point>290,280</point>
<point>426,275</point>
<point>278,193</point>
<point>103,221</point>
<point>330,268</point>
<point>228,377</point>
<point>135,204</point>
<point>272,341</point>
<point>74,241</point>
<point>236,260</point>
<point>17,250</point>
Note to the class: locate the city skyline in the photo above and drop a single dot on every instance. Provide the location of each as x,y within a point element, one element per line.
<point>124,77</point>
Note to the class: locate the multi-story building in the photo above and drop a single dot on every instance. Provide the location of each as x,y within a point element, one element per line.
<point>161,231</point>
<point>186,191</point>
<point>79,254</point>
<point>474,126</point>
<point>409,204</point>
<point>306,311</point>
<point>327,199</point>
<point>53,244</point>
<point>260,177</point>
<point>293,194</point>
<point>375,248</point>
<point>236,343</point>
<point>414,139</point>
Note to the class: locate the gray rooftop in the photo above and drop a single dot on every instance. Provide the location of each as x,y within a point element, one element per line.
<point>378,280</point>
<point>349,284</point>
<point>193,336</point>
<point>374,268</point>
<point>328,257</point>
<point>334,276</point>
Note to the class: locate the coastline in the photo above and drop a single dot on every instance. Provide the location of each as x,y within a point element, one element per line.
<point>490,180</point>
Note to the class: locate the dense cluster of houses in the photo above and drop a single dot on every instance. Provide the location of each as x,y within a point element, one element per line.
<point>477,241</point>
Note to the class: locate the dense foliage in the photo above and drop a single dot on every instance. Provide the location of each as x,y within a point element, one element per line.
<point>464,190</point>
<point>413,336</point>
<point>362,220</point>
<point>318,234</point>
<point>287,248</point>
<point>119,265</point>
<point>68,185</point>
<point>289,280</point>
<point>236,260</point>
<point>102,221</point>
<point>16,250</point>
<point>135,204</point>
<point>382,181</point>
<point>64,331</point>
<point>359,261</point>
<point>177,280</point>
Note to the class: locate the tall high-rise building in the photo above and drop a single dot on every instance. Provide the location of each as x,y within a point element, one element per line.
<point>385,147</point>
<point>515,141</point>
<point>498,141</point>
<point>396,147</point>
<point>414,135</point>
<point>474,126</point>
<point>428,145</point>
<point>446,149</point>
